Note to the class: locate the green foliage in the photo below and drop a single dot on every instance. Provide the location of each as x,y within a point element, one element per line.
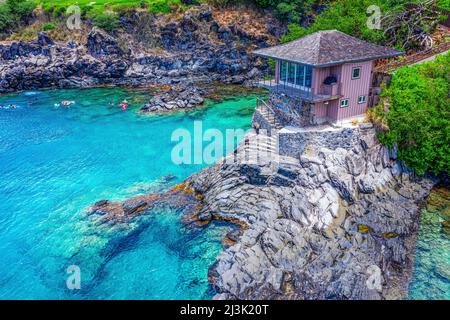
<point>106,21</point>
<point>13,11</point>
<point>289,10</point>
<point>117,6</point>
<point>48,26</point>
<point>163,6</point>
<point>419,115</point>
<point>348,16</point>
<point>105,13</point>
<point>443,4</point>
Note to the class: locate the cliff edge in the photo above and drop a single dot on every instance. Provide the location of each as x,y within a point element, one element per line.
<point>337,221</point>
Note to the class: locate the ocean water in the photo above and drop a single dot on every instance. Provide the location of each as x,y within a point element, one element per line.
<point>57,161</point>
<point>431,278</point>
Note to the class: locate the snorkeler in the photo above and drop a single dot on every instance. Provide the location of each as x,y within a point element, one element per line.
<point>67,102</point>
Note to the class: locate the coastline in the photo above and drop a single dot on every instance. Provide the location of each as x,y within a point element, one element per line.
<point>284,244</point>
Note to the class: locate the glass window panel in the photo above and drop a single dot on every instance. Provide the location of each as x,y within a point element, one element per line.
<point>283,71</point>
<point>291,73</point>
<point>300,75</point>
<point>356,73</point>
<point>308,76</point>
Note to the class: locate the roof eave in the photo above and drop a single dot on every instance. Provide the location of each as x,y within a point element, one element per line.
<point>284,59</point>
<point>385,56</point>
<point>333,63</point>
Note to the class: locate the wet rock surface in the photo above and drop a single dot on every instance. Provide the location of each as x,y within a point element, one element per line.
<point>318,227</point>
<point>177,97</point>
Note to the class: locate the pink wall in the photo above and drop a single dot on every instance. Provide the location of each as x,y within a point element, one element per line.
<point>320,74</point>
<point>277,71</point>
<point>353,88</point>
<point>332,110</point>
<point>349,88</point>
<point>320,110</point>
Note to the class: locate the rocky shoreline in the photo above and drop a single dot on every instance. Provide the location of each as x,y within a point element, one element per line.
<point>194,49</point>
<point>329,221</point>
<point>334,223</point>
<point>319,228</point>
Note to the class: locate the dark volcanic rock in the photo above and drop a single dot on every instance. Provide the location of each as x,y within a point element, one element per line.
<point>178,97</point>
<point>194,49</point>
<point>99,43</point>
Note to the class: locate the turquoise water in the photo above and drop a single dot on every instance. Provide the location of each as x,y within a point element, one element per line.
<point>431,278</point>
<point>56,161</point>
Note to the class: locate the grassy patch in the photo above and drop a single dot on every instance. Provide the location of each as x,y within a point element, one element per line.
<point>116,6</point>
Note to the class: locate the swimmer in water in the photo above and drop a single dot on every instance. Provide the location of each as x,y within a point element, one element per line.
<point>123,106</point>
<point>67,103</point>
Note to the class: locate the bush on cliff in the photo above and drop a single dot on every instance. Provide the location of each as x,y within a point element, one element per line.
<point>289,10</point>
<point>106,21</point>
<point>418,120</point>
<point>352,17</point>
<point>12,12</point>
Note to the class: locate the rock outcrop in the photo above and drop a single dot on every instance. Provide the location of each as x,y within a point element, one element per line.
<point>333,223</point>
<point>177,97</point>
<point>194,48</point>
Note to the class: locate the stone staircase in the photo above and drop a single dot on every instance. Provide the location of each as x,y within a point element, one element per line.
<point>270,117</point>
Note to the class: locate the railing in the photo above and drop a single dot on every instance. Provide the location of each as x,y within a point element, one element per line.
<point>330,89</point>
<point>414,58</point>
<point>268,81</point>
<point>262,105</point>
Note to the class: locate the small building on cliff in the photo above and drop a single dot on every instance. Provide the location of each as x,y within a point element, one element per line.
<point>323,77</point>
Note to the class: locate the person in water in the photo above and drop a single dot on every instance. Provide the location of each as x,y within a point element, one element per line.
<point>10,106</point>
<point>67,102</point>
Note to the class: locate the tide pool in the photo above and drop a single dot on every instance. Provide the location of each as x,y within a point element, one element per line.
<point>57,161</point>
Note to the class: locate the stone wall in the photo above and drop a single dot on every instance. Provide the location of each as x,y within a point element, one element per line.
<point>294,143</point>
<point>291,111</point>
<point>378,79</point>
<point>263,123</point>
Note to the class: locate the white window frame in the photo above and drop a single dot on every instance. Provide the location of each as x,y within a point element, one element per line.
<point>346,105</point>
<point>363,101</point>
<point>302,87</point>
<point>353,73</point>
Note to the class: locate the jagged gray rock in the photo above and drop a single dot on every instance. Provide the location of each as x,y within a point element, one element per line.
<point>319,226</point>
<point>191,49</point>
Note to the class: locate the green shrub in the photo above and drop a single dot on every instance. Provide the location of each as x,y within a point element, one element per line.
<point>108,22</point>
<point>48,26</point>
<point>350,17</point>
<point>288,10</point>
<point>444,4</point>
<point>6,17</point>
<point>163,6</point>
<point>13,11</point>
<point>419,115</point>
